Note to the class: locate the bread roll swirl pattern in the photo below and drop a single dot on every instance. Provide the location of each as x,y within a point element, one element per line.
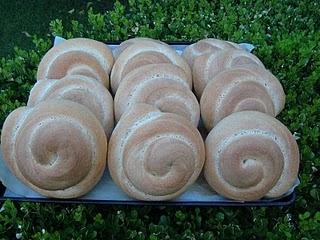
<point>163,85</point>
<point>207,66</point>
<point>248,87</point>
<point>204,46</point>
<point>77,56</point>
<point>125,44</point>
<point>80,89</point>
<point>154,155</point>
<point>58,148</point>
<point>140,54</point>
<point>250,155</point>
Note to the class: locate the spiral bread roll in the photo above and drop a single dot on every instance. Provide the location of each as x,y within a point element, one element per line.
<point>204,46</point>
<point>207,66</point>
<point>250,155</point>
<point>81,89</point>
<point>140,54</point>
<point>58,148</point>
<point>154,156</point>
<point>163,85</point>
<point>79,56</point>
<point>247,87</point>
<point>125,44</point>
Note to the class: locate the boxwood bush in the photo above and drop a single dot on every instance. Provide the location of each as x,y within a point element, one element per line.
<point>287,38</point>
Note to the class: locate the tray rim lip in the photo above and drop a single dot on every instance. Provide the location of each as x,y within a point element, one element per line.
<point>118,42</point>
<point>285,201</point>
<point>182,42</point>
<point>228,203</point>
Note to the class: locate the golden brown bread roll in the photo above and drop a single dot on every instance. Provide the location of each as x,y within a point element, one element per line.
<point>77,56</point>
<point>204,46</point>
<point>250,155</point>
<point>81,89</point>
<point>207,66</point>
<point>58,148</point>
<point>162,85</point>
<point>154,156</point>
<point>117,51</point>
<point>247,87</point>
<point>140,54</point>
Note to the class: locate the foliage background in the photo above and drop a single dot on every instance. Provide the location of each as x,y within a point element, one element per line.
<point>286,33</point>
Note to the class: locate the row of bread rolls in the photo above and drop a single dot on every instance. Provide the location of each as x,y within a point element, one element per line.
<point>249,153</point>
<point>57,144</point>
<point>155,152</point>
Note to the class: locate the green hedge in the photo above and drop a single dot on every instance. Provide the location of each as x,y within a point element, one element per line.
<point>287,36</point>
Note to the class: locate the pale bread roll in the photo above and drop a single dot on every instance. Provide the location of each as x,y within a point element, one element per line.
<point>250,155</point>
<point>77,56</point>
<point>207,66</point>
<point>164,86</point>
<point>204,46</point>
<point>58,148</point>
<point>247,87</point>
<point>125,44</point>
<point>140,54</point>
<point>154,156</point>
<point>81,89</point>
